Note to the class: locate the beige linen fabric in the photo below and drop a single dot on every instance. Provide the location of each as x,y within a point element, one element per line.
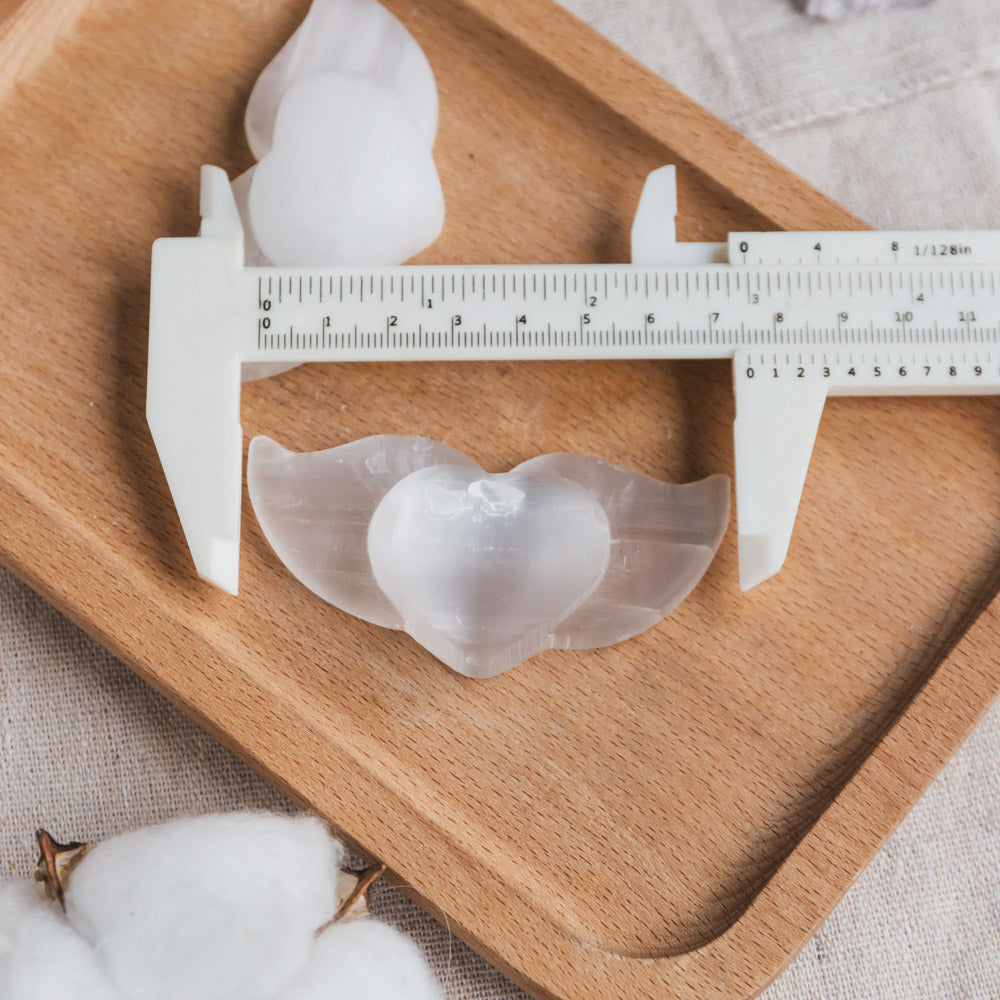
<point>897,116</point>
<point>894,114</point>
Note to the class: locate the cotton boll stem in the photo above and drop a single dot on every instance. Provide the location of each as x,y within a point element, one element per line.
<point>352,894</point>
<point>55,863</point>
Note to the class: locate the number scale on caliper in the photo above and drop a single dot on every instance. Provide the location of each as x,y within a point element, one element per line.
<point>494,313</point>
<point>802,315</point>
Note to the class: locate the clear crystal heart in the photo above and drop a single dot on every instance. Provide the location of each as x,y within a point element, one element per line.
<point>483,567</point>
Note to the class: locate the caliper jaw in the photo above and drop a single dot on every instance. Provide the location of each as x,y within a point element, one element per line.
<point>193,381</point>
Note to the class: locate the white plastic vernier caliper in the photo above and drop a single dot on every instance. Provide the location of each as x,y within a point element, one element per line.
<point>802,315</point>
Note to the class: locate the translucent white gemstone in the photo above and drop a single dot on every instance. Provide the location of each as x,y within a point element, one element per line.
<point>314,508</point>
<point>485,570</point>
<point>360,36</point>
<point>483,567</point>
<point>253,257</point>
<point>663,538</point>
<point>348,179</point>
<point>354,182</point>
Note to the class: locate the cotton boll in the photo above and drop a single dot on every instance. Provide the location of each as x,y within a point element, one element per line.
<point>359,36</point>
<point>348,180</point>
<point>208,908</point>
<point>364,960</point>
<point>41,956</point>
<point>240,905</point>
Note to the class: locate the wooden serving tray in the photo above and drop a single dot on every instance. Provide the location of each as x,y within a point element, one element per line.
<point>669,817</point>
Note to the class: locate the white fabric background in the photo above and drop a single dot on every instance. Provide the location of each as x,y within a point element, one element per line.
<point>897,116</point>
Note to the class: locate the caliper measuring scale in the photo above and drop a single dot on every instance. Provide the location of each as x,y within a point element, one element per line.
<point>801,315</point>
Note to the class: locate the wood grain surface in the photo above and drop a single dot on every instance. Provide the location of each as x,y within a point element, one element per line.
<point>669,817</point>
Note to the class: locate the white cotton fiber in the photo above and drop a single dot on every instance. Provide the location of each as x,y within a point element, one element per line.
<point>209,908</point>
<point>359,36</point>
<point>212,908</point>
<point>349,178</point>
<point>41,956</point>
<point>364,960</point>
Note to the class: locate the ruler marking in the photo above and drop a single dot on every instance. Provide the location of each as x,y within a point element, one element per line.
<point>799,293</point>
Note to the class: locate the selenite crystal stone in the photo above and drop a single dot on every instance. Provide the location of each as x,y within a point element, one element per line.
<point>360,187</point>
<point>358,36</point>
<point>481,567</point>
<point>343,120</point>
<point>485,570</point>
